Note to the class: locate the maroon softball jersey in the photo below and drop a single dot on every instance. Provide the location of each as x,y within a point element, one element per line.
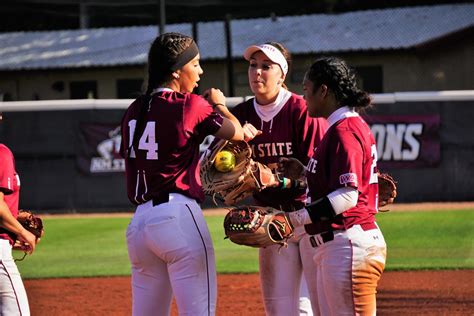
<point>347,156</point>
<point>291,133</point>
<point>165,159</point>
<point>10,186</point>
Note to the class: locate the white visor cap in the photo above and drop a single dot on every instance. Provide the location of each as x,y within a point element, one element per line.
<point>271,52</point>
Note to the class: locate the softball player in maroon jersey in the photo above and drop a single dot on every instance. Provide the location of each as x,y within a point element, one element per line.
<point>13,299</point>
<point>276,124</point>
<point>169,244</point>
<point>342,183</point>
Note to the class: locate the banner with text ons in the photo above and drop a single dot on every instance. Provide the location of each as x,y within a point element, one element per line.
<point>405,141</point>
<point>100,152</point>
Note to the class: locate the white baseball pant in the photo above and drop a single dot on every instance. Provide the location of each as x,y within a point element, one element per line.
<point>347,271</point>
<point>281,269</point>
<point>171,252</point>
<point>13,299</point>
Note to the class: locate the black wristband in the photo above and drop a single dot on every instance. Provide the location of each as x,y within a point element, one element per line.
<point>321,210</point>
<point>283,182</point>
<point>298,184</point>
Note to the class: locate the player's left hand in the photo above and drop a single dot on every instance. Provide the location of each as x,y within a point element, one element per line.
<point>291,168</point>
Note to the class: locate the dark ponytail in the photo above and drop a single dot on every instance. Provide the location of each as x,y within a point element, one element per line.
<point>335,73</point>
<point>162,56</point>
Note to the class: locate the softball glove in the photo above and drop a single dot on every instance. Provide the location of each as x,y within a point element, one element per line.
<point>246,177</point>
<point>257,226</point>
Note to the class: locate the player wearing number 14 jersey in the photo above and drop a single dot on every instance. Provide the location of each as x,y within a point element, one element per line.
<point>169,244</point>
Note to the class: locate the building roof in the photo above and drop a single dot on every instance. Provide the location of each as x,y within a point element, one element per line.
<point>388,29</point>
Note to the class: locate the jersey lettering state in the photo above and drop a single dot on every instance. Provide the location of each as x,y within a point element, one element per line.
<point>345,157</point>
<point>278,149</point>
<point>291,133</point>
<point>165,157</point>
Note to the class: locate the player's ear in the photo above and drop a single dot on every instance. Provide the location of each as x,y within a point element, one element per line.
<point>176,74</point>
<point>324,90</point>
<point>281,80</point>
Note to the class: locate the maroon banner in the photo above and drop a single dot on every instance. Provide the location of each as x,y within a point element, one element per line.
<point>100,149</point>
<point>406,141</point>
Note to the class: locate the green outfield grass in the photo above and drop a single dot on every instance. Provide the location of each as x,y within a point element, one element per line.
<point>82,247</point>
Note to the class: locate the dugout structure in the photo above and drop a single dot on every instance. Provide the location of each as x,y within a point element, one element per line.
<point>66,150</point>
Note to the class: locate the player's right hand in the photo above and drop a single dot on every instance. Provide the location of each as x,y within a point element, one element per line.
<point>250,132</point>
<point>27,241</point>
<point>214,96</point>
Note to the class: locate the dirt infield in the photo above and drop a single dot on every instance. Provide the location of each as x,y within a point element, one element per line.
<point>400,293</point>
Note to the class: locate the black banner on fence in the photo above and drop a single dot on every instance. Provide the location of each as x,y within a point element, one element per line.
<point>100,149</point>
<point>405,141</point>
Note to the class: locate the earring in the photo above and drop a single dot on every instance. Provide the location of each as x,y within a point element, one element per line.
<point>176,76</point>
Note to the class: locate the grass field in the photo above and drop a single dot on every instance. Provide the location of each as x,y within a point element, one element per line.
<point>95,246</point>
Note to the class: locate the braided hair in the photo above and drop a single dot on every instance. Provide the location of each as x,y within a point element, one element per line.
<point>163,54</point>
<point>334,73</point>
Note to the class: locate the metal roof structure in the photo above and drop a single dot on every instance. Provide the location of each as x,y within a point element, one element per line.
<point>388,29</point>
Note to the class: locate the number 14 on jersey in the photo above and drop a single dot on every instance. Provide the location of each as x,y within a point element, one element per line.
<point>147,140</point>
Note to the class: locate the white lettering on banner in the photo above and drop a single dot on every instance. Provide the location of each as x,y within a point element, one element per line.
<point>411,131</point>
<point>397,142</point>
<point>271,149</point>
<point>99,164</point>
<point>109,150</point>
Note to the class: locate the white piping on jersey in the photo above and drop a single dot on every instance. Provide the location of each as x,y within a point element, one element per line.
<point>161,89</point>
<point>271,125</point>
<point>341,113</point>
<point>149,104</point>
<point>146,187</point>
<point>136,187</point>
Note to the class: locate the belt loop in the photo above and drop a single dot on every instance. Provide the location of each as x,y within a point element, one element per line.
<point>319,239</point>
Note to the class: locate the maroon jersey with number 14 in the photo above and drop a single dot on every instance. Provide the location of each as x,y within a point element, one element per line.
<point>166,155</point>
<point>346,156</point>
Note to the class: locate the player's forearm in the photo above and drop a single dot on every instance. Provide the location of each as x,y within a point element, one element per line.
<point>224,111</point>
<point>327,207</point>
<point>7,220</point>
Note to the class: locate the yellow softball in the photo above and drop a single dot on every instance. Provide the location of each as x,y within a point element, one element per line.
<point>225,161</point>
